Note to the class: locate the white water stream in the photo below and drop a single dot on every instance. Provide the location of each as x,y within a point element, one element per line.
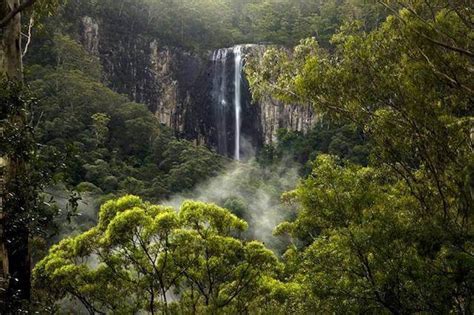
<point>223,98</point>
<point>237,98</point>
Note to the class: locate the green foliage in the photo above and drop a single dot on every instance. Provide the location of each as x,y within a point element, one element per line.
<point>144,253</point>
<point>106,140</point>
<point>237,206</point>
<point>389,234</point>
<point>208,24</point>
<point>395,237</point>
<point>346,142</point>
<point>286,22</point>
<point>100,126</point>
<point>25,214</point>
<point>18,144</point>
<point>70,55</point>
<point>366,247</point>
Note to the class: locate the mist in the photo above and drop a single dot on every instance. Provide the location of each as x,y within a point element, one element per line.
<point>72,220</point>
<point>248,189</point>
<point>252,192</point>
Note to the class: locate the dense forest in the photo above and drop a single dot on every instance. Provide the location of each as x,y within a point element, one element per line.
<point>236,157</point>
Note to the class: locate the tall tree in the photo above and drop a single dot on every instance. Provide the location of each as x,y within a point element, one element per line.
<point>408,85</point>
<point>15,195</point>
<point>148,253</point>
<point>15,255</point>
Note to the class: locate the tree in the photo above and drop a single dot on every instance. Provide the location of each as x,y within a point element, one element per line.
<point>15,200</point>
<point>102,138</point>
<point>365,247</point>
<point>14,248</point>
<point>140,255</point>
<point>100,122</point>
<point>408,86</point>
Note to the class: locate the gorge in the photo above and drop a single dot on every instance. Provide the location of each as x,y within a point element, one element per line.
<point>236,157</point>
<point>201,97</point>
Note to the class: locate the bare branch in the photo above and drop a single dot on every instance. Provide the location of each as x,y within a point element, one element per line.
<point>17,9</point>
<point>28,36</point>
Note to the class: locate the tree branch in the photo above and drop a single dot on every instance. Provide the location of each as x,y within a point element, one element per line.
<point>428,38</point>
<point>28,36</point>
<point>17,9</point>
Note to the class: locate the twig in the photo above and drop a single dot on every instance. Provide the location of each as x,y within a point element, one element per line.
<point>28,41</point>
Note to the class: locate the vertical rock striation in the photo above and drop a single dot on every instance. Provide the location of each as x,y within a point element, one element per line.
<point>202,99</point>
<point>237,119</point>
<point>232,125</point>
<point>90,35</point>
<point>276,115</point>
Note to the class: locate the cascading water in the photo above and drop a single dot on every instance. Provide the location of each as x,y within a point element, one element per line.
<point>237,97</point>
<point>227,98</point>
<point>219,59</point>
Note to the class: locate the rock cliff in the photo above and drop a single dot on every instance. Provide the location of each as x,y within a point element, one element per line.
<point>190,93</point>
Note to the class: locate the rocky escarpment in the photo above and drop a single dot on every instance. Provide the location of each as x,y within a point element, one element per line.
<point>90,35</point>
<point>159,76</point>
<point>174,73</point>
<point>276,115</point>
<point>214,101</point>
<point>180,88</point>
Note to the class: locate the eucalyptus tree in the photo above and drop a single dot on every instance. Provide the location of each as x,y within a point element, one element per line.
<point>150,258</point>
<point>15,195</point>
<point>408,86</point>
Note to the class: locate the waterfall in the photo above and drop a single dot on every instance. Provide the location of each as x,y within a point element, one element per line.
<point>237,97</point>
<point>219,59</point>
<point>227,98</point>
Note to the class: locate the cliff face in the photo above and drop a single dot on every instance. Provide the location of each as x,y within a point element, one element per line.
<point>174,73</point>
<point>193,95</point>
<point>158,76</point>
<point>275,115</point>
<point>90,35</point>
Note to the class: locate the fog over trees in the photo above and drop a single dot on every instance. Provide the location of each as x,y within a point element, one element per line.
<point>236,157</point>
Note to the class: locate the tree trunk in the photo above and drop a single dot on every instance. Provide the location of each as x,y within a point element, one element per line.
<point>10,45</point>
<point>14,247</point>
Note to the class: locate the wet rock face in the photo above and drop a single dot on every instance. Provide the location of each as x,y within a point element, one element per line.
<point>230,121</point>
<point>160,77</point>
<point>275,115</point>
<point>259,121</point>
<point>173,75</point>
<point>193,95</point>
<point>90,35</point>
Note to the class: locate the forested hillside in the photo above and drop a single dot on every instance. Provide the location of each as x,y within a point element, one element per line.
<point>236,157</point>
<point>209,24</point>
